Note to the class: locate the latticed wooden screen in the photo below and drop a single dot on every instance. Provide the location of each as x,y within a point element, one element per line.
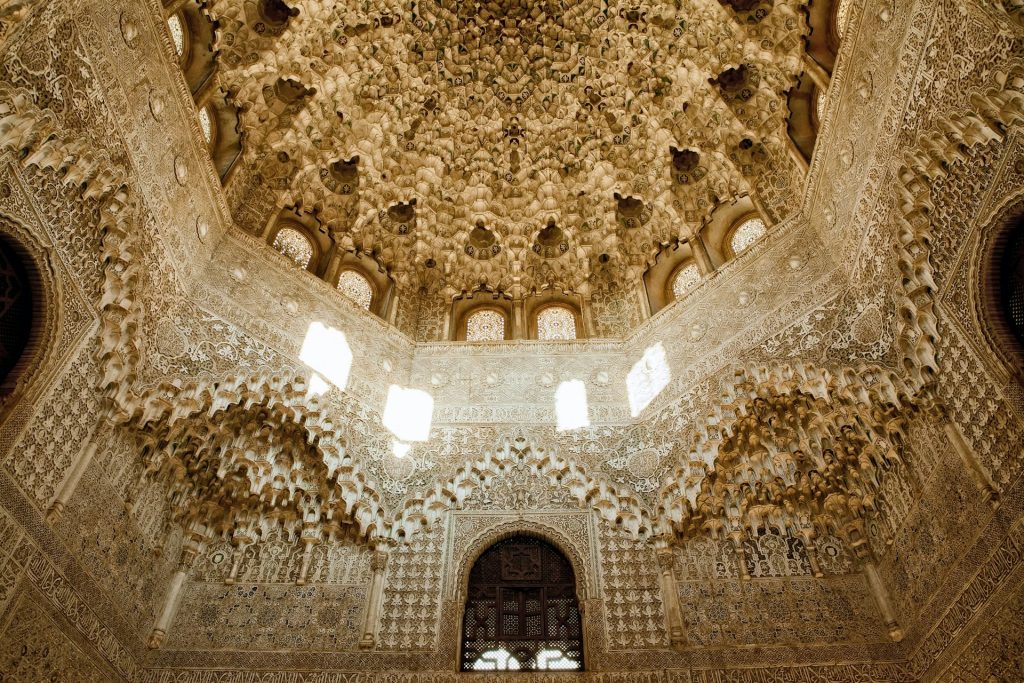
<point>1012,276</point>
<point>521,610</point>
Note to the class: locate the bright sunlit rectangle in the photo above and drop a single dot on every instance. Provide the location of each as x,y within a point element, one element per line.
<point>326,351</point>
<point>647,378</point>
<point>408,413</point>
<point>571,410</point>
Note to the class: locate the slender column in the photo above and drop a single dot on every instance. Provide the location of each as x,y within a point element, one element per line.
<point>232,171</point>
<point>446,332</point>
<point>67,489</point>
<point>519,319</point>
<point>203,96</point>
<point>796,155</point>
<point>701,255</point>
<point>881,595</point>
<point>309,539</point>
<point>271,221</point>
<point>333,266</point>
<point>236,563</point>
<point>741,558</point>
<point>812,552</point>
<point>755,199</point>
<point>191,549</point>
<point>956,439</point>
<point>670,595</point>
<point>817,74</point>
<point>378,564</point>
<point>587,311</point>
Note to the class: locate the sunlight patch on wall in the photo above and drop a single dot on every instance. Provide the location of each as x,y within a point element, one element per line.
<point>327,352</point>
<point>571,411</point>
<point>408,413</point>
<point>647,378</point>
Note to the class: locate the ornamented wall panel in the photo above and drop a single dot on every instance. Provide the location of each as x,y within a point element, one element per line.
<point>132,568</point>
<point>977,406</point>
<point>634,612</point>
<point>834,609</point>
<point>924,544</point>
<point>412,593</point>
<point>997,651</point>
<point>64,419</point>
<point>989,579</point>
<point>251,616</point>
<point>34,647</point>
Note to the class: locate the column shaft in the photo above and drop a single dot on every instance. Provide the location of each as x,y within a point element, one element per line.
<point>670,596</point>
<point>881,595</point>
<point>378,563</point>
<point>67,489</point>
<point>956,439</point>
<point>163,624</point>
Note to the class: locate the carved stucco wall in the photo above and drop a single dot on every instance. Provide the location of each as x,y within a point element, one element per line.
<point>81,596</point>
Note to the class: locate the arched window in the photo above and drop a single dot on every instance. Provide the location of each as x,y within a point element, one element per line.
<point>556,323</point>
<point>1011,281</point>
<point>206,124</point>
<point>356,287</point>
<point>295,246</point>
<point>177,29</point>
<point>485,325</point>
<point>15,313</point>
<point>685,279</point>
<point>522,613</point>
<point>745,234</point>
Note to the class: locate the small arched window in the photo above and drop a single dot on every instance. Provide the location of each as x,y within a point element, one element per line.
<point>177,29</point>
<point>685,279</point>
<point>206,124</point>
<point>556,323</point>
<point>356,287</point>
<point>745,234</point>
<point>522,613</point>
<point>295,246</point>
<point>485,325</point>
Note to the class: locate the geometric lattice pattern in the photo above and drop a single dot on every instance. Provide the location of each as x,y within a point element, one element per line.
<point>485,325</point>
<point>521,610</point>
<point>356,287</point>
<point>556,323</point>
<point>746,234</point>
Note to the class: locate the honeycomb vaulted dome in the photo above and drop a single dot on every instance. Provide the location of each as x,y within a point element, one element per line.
<point>511,114</point>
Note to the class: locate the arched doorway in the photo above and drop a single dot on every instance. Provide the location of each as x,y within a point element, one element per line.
<point>16,309</point>
<point>522,612</point>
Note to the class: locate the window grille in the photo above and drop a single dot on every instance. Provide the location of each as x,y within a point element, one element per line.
<point>521,610</point>
<point>1011,285</point>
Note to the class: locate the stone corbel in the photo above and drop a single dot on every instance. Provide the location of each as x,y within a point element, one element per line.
<point>378,565</point>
